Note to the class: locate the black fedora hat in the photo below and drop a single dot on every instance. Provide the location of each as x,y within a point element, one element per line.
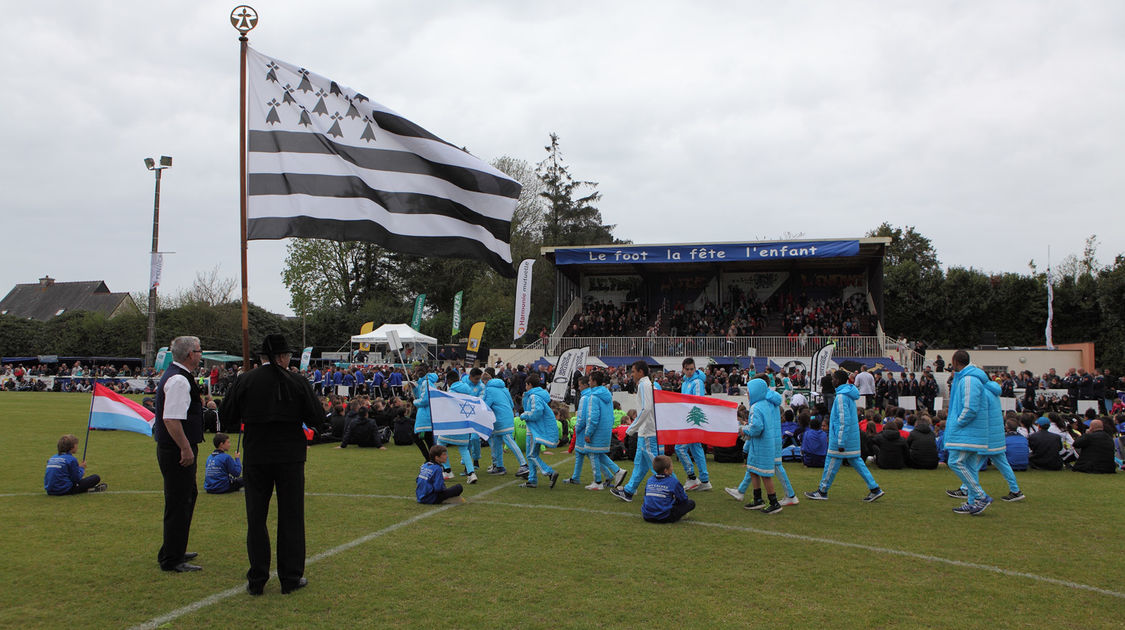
<point>275,344</point>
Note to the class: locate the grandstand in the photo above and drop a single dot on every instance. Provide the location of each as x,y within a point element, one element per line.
<point>771,303</point>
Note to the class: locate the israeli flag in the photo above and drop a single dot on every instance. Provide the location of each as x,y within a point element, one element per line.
<point>459,414</point>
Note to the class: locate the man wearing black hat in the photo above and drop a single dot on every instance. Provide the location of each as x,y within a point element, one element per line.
<point>273,402</point>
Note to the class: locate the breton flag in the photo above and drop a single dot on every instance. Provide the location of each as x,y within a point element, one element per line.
<point>457,414</point>
<point>324,161</point>
<point>684,419</point>
<point>110,411</point>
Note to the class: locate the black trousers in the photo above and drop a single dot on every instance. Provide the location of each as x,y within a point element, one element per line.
<point>678,512</point>
<point>288,479</point>
<point>180,492</point>
<point>424,441</point>
<point>84,484</point>
<point>450,492</point>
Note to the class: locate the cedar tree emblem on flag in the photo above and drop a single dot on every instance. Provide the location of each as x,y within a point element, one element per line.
<point>697,417</point>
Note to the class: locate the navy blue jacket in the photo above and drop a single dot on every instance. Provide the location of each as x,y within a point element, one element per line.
<point>221,469</point>
<point>63,472</point>
<point>661,493</point>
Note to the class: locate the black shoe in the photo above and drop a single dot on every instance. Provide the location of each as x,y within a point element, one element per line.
<point>184,567</point>
<point>523,472</point>
<point>190,555</point>
<point>756,504</point>
<point>554,477</point>
<point>301,583</point>
<point>772,508</point>
<point>253,590</point>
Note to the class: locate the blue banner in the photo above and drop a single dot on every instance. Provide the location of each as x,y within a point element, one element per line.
<point>632,255</point>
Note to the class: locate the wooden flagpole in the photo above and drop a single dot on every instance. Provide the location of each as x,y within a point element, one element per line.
<point>244,19</point>
<point>89,416</point>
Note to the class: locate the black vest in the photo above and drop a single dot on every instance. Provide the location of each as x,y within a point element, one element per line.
<point>193,424</point>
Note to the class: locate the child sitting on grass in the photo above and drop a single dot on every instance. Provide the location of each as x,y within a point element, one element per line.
<point>431,480</point>
<point>64,473</point>
<point>665,498</point>
<point>223,472</point>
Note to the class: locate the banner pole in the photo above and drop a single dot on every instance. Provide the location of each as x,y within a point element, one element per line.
<point>86,442</point>
<point>243,18</point>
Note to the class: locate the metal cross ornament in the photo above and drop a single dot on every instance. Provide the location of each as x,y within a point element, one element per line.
<point>244,18</point>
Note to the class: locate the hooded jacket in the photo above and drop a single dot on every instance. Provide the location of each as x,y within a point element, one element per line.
<point>762,432</point>
<point>498,399</point>
<point>773,402</point>
<point>967,426</point>
<point>922,448</point>
<point>695,385</point>
<point>997,442</point>
<point>890,449</point>
<point>539,417</point>
<point>599,426</point>
<point>843,424</point>
<point>583,417</point>
<point>422,421</point>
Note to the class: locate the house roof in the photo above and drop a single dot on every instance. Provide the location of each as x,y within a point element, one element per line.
<point>47,298</point>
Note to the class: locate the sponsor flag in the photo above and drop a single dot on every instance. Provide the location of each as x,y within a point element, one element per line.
<point>475,335</point>
<point>457,313</point>
<point>325,161</point>
<point>523,298</point>
<point>684,419</point>
<point>306,358</point>
<point>363,330</point>
<point>419,304</point>
<point>569,362</point>
<point>819,369</point>
<point>110,411</point>
<point>457,414</point>
<point>156,266</point>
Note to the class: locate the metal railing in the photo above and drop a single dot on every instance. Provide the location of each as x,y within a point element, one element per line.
<point>564,323</point>
<point>721,346</point>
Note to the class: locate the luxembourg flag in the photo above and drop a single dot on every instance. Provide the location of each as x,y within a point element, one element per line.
<point>684,419</point>
<point>114,412</point>
<point>458,414</point>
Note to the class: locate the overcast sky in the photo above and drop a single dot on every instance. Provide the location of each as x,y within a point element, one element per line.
<point>995,128</point>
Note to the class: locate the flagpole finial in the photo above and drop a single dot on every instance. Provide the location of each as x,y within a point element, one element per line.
<point>243,18</point>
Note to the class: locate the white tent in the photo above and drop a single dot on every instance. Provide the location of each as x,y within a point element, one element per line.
<point>406,335</point>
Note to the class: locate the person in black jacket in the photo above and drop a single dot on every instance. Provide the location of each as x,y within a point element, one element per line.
<point>273,403</point>
<point>362,431</point>
<point>1045,447</point>
<point>921,445</point>
<point>890,448</point>
<point>1095,450</point>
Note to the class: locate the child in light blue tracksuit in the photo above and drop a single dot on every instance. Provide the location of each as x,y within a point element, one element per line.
<point>599,431</point>
<point>473,386</point>
<point>423,425</point>
<point>771,406</point>
<point>843,441</point>
<point>644,427</point>
<point>585,404</point>
<point>692,456</point>
<point>542,431</point>
<point>498,399</point>
<point>460,440</point>
<point>761,447</point>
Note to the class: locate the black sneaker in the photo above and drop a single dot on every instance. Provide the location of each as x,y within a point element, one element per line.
<point>553,477</point>
<point>621,494</point>
<point>572,481</point>
<point>497,471</point>
<point>1013,496</point>
<point>528,484</point>
<point>873,495</point>
<point>102,486</point>
<point>818,495</point>
<point>523,472</point>
<point>772,508</point>
<point>756,504</point>
<point>957,494</point>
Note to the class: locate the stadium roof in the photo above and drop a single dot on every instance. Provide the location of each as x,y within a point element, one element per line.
<point>732,255</point>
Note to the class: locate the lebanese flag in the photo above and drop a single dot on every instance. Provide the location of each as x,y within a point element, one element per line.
<point>683,419</point>
<point>110,411</point>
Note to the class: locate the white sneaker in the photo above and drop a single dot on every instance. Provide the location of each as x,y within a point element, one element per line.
<point>738,496</point>
<point>789,500</point>
<point>692,484</point>
<point>447,476</point>
<point>594,486</point>
<point>472,477</point>
<point>619,477</point>
<point>703,487</point>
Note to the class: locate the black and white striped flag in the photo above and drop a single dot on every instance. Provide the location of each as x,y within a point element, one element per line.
<point>324,161</point>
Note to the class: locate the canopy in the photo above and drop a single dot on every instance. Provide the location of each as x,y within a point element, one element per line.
<point>406,334</point>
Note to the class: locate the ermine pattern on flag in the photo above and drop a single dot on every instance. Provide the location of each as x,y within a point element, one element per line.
<point>325,161</point>
<point>110,411</point>
<point>456,414</point>
<point>684,419</point>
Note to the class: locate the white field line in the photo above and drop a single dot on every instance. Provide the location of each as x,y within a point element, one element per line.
<point>235,590</point>
<point>839,543</point>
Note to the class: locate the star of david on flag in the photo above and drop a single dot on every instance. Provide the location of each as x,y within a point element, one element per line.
<point>460,414</point>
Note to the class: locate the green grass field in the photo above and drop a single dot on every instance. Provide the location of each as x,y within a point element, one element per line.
<point>519,558</point>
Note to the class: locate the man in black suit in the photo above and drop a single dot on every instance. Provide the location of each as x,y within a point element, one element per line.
<point>273,402</point>
<point>177,429</point>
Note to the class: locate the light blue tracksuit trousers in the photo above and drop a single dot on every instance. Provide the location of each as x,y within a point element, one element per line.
<point>642,463</point>
<point>832,466</point>
<point>536,464</point>
<point>497,443</point>
<point>579,458</point>
<point>966,465</point>
<point>694,460</point>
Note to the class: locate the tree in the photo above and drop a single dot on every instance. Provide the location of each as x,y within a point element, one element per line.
<point>571,219</point>
<point>209,289</point>
<point>907,245</point>
<point>324,274</point>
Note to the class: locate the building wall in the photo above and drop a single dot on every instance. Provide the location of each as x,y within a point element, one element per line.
<point>1036,360</point>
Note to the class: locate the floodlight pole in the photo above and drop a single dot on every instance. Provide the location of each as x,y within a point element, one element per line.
<point>150,350</point>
